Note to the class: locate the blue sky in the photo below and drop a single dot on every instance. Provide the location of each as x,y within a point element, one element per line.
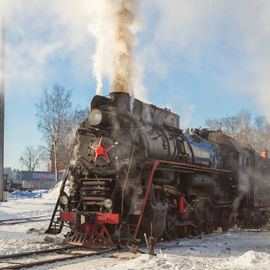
<point>203,59</point>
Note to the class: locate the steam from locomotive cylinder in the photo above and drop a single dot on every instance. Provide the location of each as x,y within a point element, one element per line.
<point>115,37</point>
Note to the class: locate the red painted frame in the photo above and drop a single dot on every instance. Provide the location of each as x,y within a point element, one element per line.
<point>100,218</point>
<point>156,163</point>
<point>67,216</point>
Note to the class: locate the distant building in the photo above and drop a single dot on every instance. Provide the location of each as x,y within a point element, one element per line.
<point>37,180</point>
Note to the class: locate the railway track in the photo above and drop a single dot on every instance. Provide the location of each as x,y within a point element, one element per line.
<point>43,257</point>
<point>15,221</point>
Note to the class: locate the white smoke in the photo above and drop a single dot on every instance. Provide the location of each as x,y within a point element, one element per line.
<point>44,30</point>
<point>244,187</point>
<point>117,25</point>
<point>66,24</point>
<point>101,30</point>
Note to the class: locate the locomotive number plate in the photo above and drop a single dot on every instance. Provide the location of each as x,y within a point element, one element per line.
<point>107,218</point>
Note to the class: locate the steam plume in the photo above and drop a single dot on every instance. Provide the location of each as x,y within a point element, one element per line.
<point>115,38</point>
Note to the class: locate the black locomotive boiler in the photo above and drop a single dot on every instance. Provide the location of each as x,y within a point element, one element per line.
<point>134,171</point>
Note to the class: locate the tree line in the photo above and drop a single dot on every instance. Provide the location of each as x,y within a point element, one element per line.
<point>57,121</point>
<point>248,131</point>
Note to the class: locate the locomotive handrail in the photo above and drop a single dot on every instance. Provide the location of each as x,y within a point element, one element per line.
<point>123,189</point>
<point>156,163</point>
<point>188,165</point>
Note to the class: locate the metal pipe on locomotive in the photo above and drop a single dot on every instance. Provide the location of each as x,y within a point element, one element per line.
<point>134,172</point>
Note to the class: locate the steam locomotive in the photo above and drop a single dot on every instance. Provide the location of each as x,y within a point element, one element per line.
<point>135,172</point>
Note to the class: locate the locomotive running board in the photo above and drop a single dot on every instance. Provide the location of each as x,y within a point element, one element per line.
<point>55,226</point>
<point>184,167</point>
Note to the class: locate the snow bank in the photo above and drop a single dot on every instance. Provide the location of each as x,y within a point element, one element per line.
<point>171,262</point>
<point>253,259</point>
<point>53,193</point>
<point>16,195</point>
<point>164,261</point>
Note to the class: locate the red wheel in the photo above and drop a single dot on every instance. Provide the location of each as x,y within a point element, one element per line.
<point>198,230</point>
<point>198,215</point>
<point>209,220</point>
<point>170,233</point>
<point>224,220</point>
<point>185,231</point>
<point>198,219</point>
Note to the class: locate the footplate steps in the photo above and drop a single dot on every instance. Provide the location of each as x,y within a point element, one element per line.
<point>56,225</point>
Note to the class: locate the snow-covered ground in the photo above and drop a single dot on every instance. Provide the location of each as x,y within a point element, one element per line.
<point>232,250</point>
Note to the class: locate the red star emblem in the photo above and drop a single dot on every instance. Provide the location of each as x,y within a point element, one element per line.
<point>101,150</point>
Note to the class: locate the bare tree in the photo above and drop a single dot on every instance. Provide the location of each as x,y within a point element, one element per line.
<point>245,135</point>
<point>79,115</point>
<point>32,157</point>
<point>261,134</point>
<point>242,128</point>
<point>54,115</point>
<point>68,140</point>
<point>214,124</point>
<point>231,125</point>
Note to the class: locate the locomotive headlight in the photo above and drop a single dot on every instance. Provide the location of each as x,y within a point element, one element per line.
<point>64,200</point>
<point>107,203</point>
<point>95,117</point>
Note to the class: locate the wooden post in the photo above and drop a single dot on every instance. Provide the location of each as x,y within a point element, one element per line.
<point>151,245</point>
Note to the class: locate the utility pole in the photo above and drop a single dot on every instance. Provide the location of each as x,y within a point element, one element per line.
<point>2,104</point>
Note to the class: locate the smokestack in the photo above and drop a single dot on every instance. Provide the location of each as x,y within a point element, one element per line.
<point>2,104</point>
<point>121,100</point>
